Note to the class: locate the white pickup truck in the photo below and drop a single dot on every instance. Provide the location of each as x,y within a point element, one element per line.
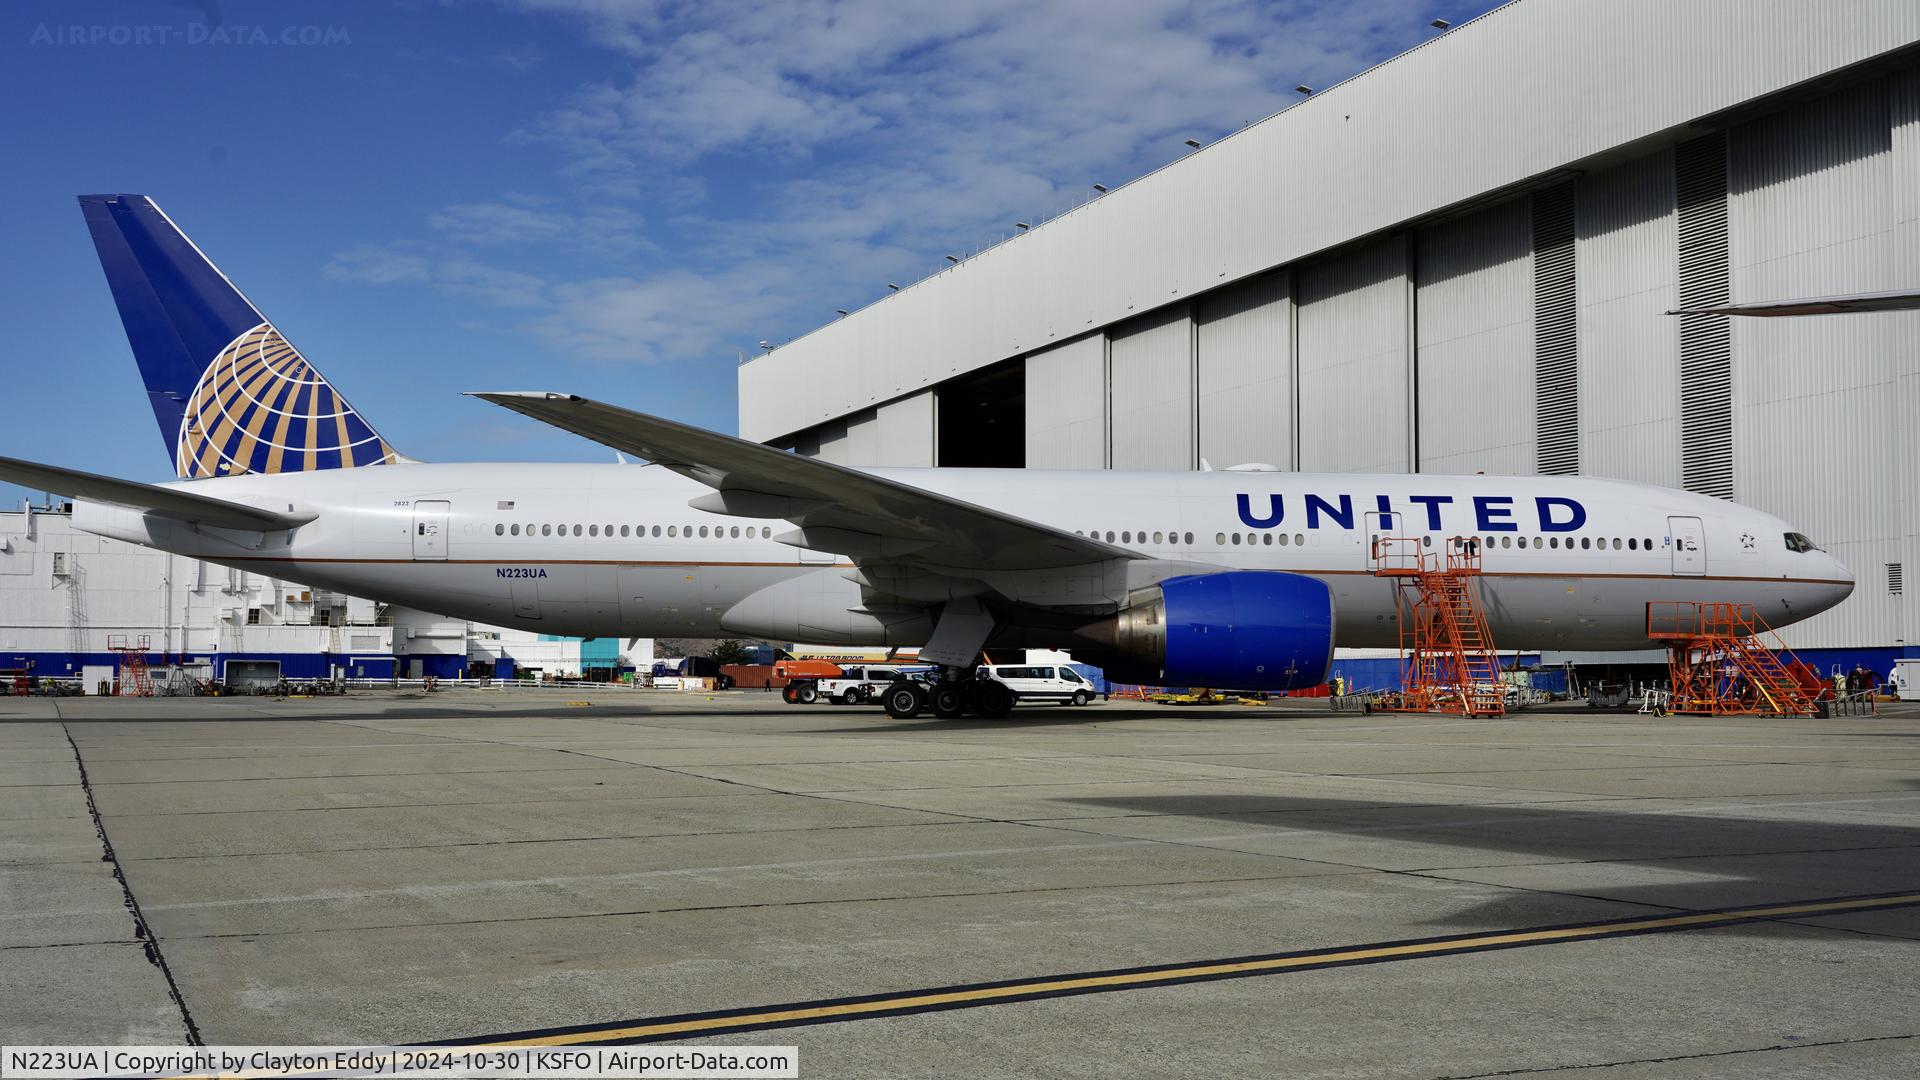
<point>859,684</point>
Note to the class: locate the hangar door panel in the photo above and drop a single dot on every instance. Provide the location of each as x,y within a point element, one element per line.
<point>1822,201</point>
<point>905,431</point>
<point>1066,405</point>
<point>1355,354</point>
<point>1152,359</point>
<point>1625,239</point>
<point>1476,339</point>
<point>1244,370</point>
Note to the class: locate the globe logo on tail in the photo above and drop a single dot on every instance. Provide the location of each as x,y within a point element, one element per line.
<point>261,408</point>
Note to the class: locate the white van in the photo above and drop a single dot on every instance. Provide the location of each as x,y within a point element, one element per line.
<point>1041,682</point>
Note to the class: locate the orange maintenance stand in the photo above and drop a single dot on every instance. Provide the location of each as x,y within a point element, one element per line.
<point>1447,658</point>
<point>1724,660</point>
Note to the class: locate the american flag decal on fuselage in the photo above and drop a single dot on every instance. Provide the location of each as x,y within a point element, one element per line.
<point>259,407</point>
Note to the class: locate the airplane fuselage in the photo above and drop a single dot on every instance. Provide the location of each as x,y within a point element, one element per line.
<point>615,550</point>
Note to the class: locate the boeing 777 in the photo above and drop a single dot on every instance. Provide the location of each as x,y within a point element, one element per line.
<point>1242,579</point>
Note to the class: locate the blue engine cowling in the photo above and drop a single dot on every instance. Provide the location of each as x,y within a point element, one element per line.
<point>1239,630</point>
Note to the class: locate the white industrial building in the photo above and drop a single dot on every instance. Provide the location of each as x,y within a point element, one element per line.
<point>1460,261</point>
<point>68,597</point>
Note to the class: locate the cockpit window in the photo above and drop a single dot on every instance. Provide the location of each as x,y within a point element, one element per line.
<point>1798,542</point>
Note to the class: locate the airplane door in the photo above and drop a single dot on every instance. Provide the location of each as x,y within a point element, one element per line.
<point>1689,545</point>
<point>430,528</point>
<point>1379,527</point>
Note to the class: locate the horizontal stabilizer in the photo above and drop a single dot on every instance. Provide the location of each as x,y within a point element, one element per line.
<point>148,498</point>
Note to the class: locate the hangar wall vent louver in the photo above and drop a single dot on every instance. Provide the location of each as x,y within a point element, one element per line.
<point>1706,347</point>
<point>1896,579</point>
<point>1556,356</point>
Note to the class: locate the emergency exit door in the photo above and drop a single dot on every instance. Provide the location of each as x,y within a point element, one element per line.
<point>430,528</point>
<point>1689,545</point>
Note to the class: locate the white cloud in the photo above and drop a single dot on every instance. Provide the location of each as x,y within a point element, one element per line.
<point>857,142</point>
<point>373,264</point>
<point>522,220</point>
<point>376,265</point>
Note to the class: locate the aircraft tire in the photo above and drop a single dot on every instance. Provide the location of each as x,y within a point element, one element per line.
<point>949,701</point>
<point>995,701</point>
<point>905,700</point>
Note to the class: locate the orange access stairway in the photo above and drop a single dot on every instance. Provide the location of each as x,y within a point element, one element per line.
<point>1448,662</point>
<point>1724,660</point>
<point>135,679</point>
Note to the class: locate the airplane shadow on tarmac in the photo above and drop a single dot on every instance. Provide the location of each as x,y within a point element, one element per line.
<point>1687,861</point>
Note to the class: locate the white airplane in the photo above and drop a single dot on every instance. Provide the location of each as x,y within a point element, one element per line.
<point>1242,579</point>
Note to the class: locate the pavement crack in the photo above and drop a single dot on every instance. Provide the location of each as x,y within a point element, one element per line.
<point>150,943</point>
<point>1676,1057</point>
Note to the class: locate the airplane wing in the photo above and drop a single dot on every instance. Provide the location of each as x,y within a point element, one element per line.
<point>842,510</point>
<point>1906,300</point>
<point>166,502</point>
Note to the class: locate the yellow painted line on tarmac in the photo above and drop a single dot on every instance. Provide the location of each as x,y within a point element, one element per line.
<point>983,994</point>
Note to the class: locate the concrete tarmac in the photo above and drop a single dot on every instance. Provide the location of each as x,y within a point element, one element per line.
<point>388,868</point>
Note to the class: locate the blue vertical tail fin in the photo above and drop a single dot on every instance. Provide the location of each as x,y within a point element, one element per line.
<point>230,393</point>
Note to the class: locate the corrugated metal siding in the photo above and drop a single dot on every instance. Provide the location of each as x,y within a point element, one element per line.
<point>1067,405</point>
<point>1706,364</point>
<point>1475,326</point>
<point>1354,342</point>
<point>1244,340</point>
<point>1904,107</point>
<point>1502,99</point>
<point>1556,336</point>
<point>1152,392</point>
<point>1814,201</point>
<point>905,432</point>
<point>1629,349</point>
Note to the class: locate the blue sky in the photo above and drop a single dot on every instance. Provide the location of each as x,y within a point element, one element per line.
<point>605,197</point>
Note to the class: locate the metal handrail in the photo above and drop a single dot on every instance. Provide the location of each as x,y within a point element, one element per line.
<point>1855,703</point>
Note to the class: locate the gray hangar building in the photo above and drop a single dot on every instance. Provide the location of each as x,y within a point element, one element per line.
<point>1459,261</point>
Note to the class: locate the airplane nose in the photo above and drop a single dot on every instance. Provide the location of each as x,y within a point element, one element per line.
<point>1841,583</point>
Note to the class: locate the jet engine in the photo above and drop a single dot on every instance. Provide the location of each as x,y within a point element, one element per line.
<point>1237,630</point>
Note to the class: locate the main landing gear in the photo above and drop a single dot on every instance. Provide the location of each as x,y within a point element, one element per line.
<point>956,694</point>
<point>958,635</point>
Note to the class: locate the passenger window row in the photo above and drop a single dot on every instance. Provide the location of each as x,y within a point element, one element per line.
<point>1126,536</point>
<point>1256,539</point>
<point>1587,543</point>
<point>716,532</point>
<point>1269,539</point>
